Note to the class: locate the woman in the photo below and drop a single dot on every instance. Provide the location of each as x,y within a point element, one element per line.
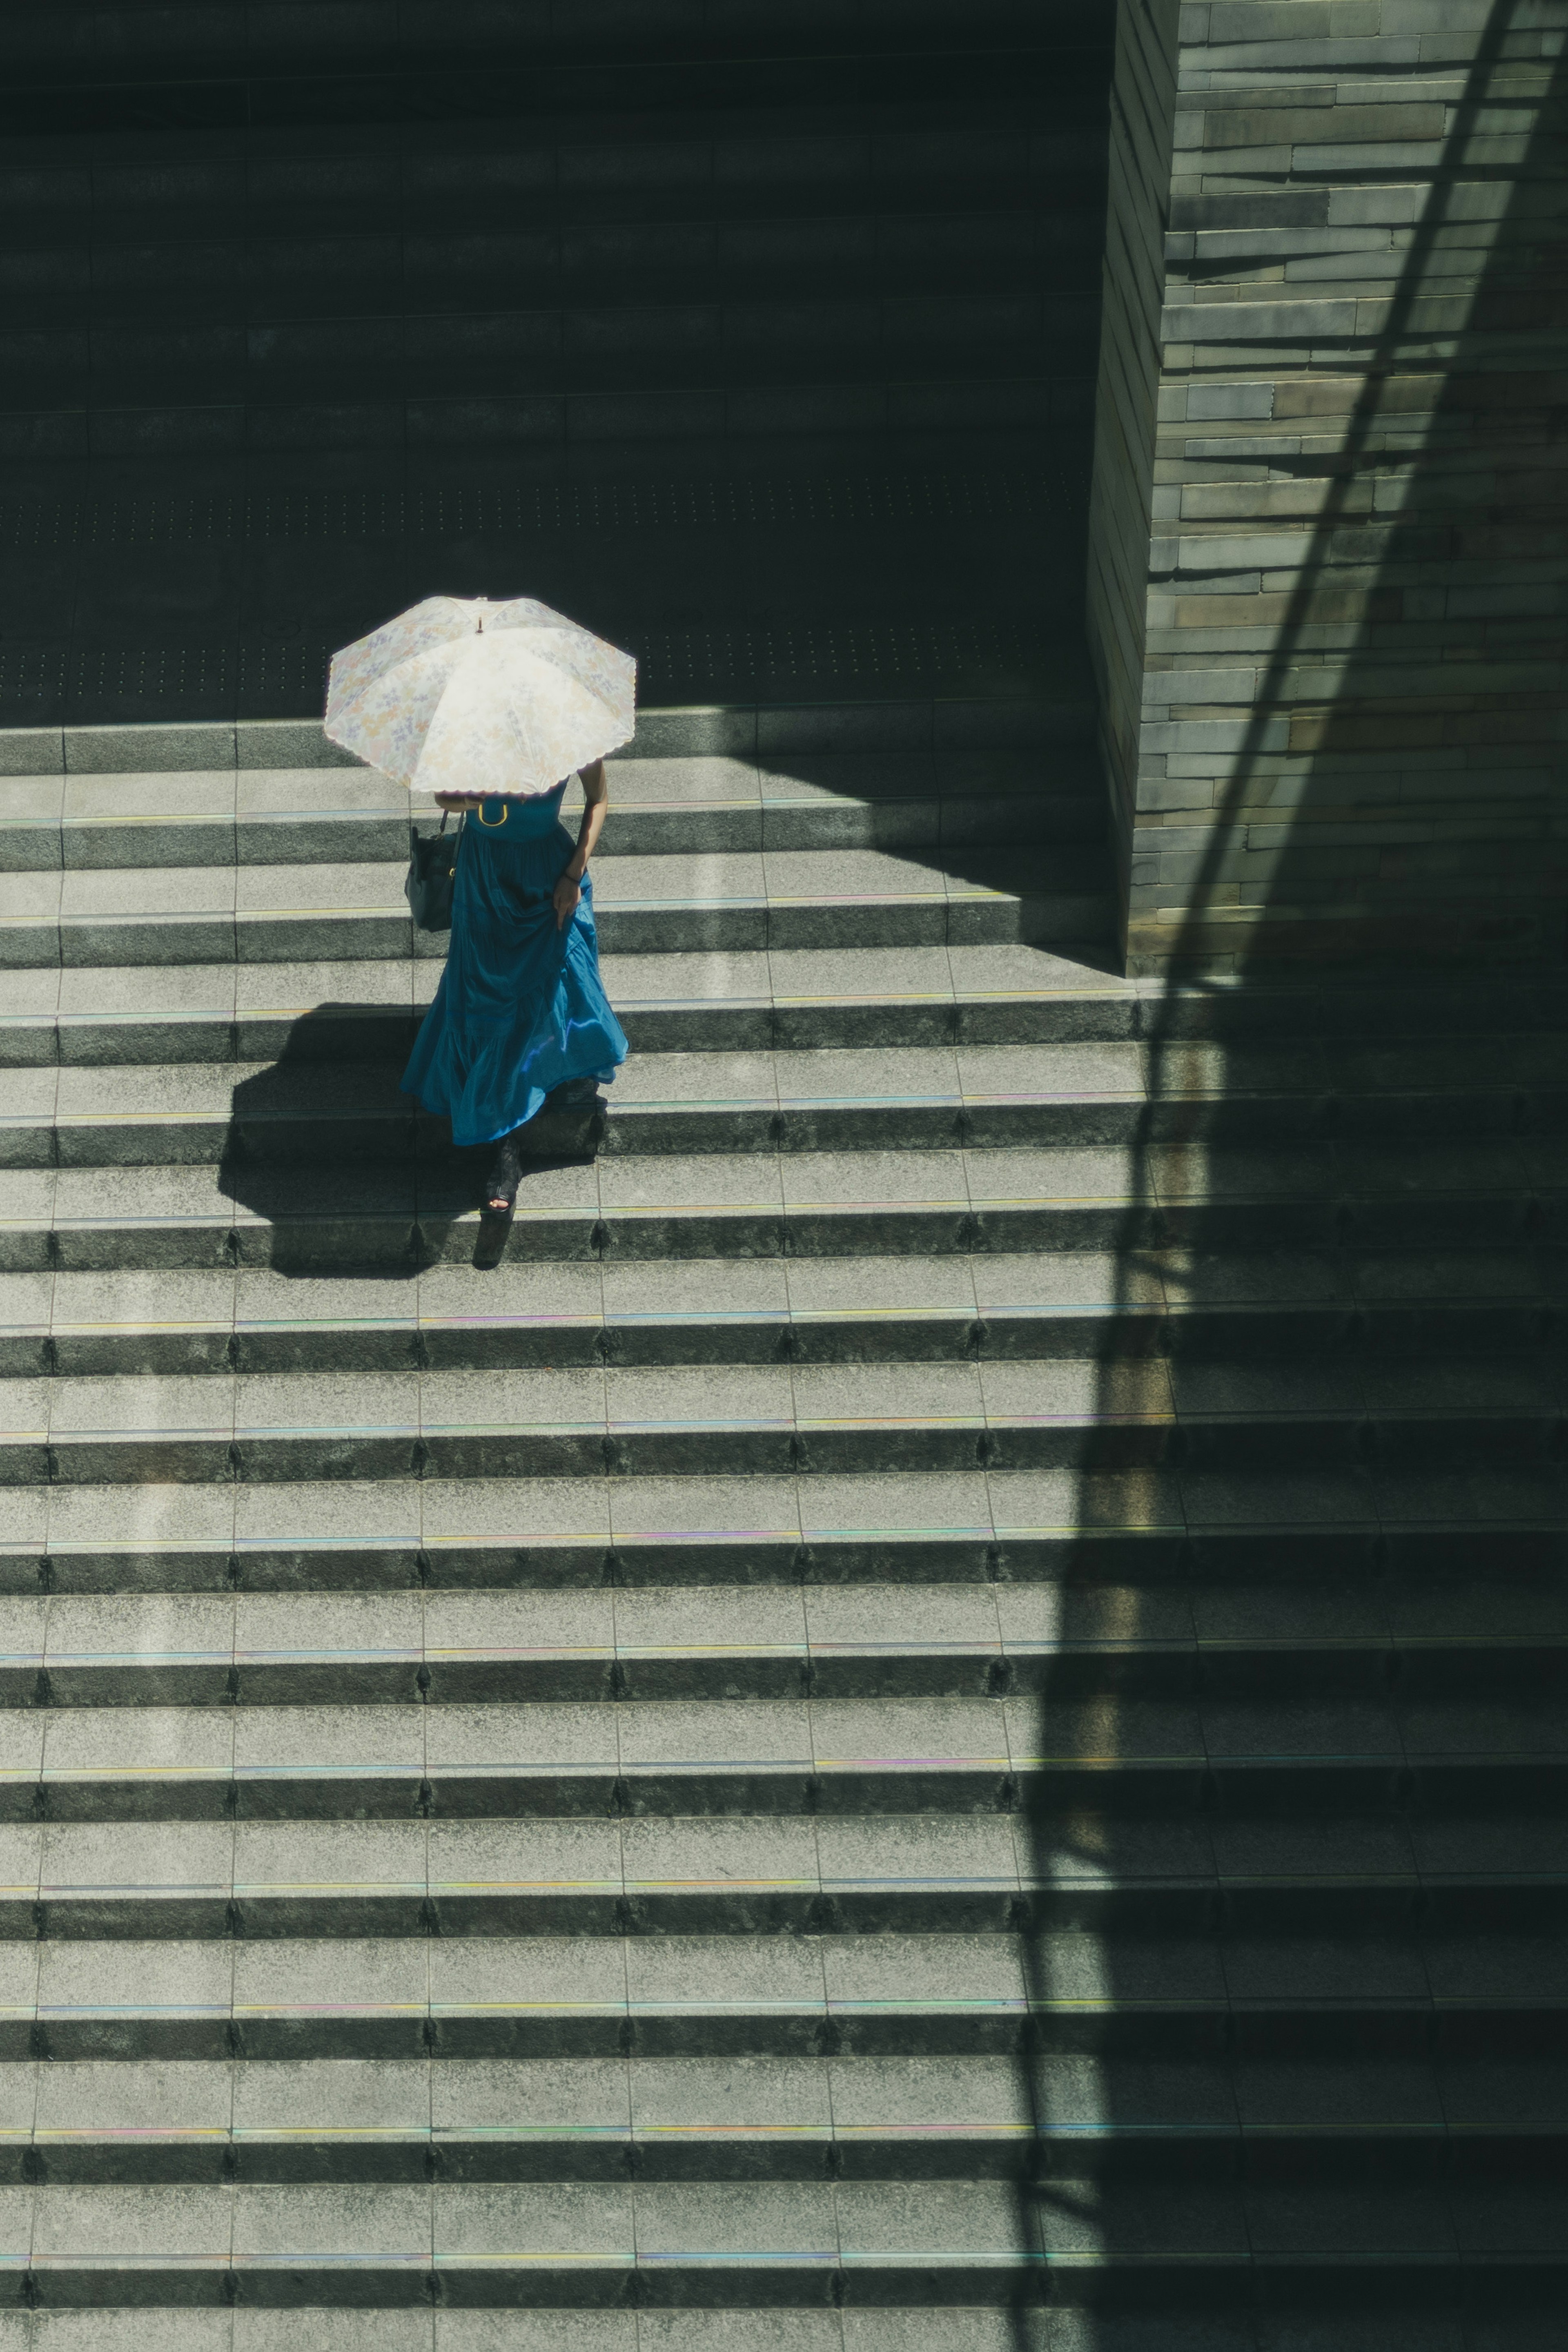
<point>521,1012</point>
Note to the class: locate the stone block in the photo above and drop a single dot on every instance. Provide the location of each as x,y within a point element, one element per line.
<point>1196,554</point>
<point>692,733</point>
<point>1372,127</point>
<point>109,750</point>
<point>1308,320</point>
<point>288,743</point>
<point>1236,400</point>
<point>1163,687</point>
<point>1358,53</point>
<point>1428,17</point>
<point>31,752</point>
<point>1275,20</point>
<point>1374,155</point>
<point>1215,171</point>
<point>1200,735</point>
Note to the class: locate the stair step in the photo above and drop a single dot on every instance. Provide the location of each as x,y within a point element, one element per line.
<point>783,2119</point>
<point>291,914</point>
<point>757,1311</point>
<point>793,1205</point>
<point>889,799</point>
<point>509,1734</point>
<point>1391,1996</point>
<point>665,1419</point>
<point>974,1527</point>
<point>1333,1874</point>
<point>789,2250</point>
<point>920,1099</point>
<point>735,247</point>
<point>506,346</point>
<point>305,48</point>
<point>942,1662</point>
<point>797,1000</point>
<point>801,999</point>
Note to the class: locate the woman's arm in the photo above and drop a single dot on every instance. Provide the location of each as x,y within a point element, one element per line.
<point>595,808</point>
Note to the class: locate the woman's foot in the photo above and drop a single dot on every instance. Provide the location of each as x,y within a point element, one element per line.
<point>575,1094</point>
<point>500,1199</point>
<point>506,1175</point>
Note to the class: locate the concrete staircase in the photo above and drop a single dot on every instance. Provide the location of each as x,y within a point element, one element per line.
<point>932,1720</point>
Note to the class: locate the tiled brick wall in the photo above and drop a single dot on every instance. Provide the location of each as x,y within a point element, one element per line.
<point>1330,535</point>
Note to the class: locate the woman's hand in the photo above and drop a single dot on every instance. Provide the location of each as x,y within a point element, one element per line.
<point>452,802</point>
<point>595,807</point>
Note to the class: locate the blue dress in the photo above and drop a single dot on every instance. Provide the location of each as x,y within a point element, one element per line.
<point>520,1008</point>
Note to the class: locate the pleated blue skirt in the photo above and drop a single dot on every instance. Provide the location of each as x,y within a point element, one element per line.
<point>520,1009</point>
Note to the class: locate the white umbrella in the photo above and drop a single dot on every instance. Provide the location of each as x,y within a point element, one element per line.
<point>463,696</point>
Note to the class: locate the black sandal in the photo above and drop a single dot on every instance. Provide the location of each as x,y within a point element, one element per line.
<point>500,1200</point>
<point>506,1175</point>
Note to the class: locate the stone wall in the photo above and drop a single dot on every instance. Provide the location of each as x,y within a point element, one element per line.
<point>1120,514</point>
<point>1331,663</point>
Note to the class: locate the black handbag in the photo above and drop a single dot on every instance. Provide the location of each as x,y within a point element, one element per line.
<point>431,876</point>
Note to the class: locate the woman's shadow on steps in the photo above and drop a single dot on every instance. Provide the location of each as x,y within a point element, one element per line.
<point>332,1172</point>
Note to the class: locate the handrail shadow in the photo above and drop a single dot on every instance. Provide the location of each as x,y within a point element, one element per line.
<point>1172,1222</point>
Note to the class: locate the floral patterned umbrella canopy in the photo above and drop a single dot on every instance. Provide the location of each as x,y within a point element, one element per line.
<point>459,696</point>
